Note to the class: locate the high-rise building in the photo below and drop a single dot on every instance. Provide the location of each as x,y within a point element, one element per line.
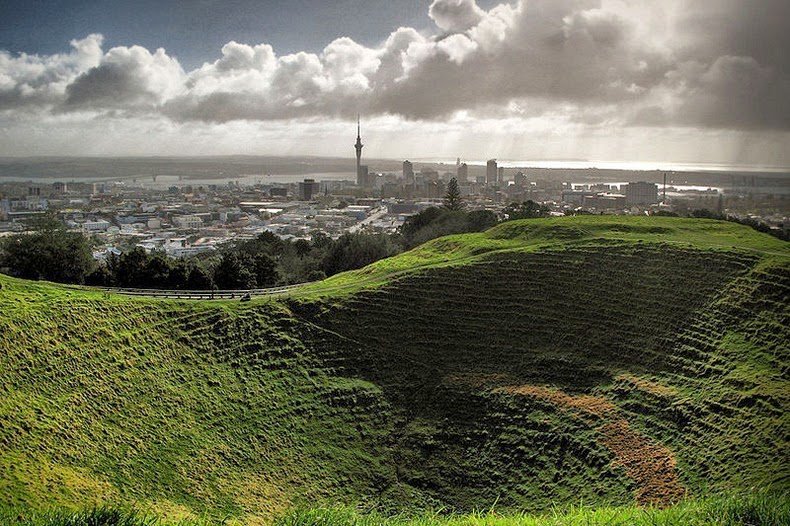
<point>500,175</point>
<point>463,173</point>
<point>362,178</point>
<point>641,193</point>
<point>363,175</point>
<point>308,189</point>
<point>491,171</point>
<point>520,179</point>
<point>408,172</point>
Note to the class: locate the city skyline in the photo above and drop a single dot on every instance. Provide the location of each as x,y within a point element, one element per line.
<point>605,81</point>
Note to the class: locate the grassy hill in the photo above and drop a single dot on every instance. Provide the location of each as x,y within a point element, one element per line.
<point>614,361</point>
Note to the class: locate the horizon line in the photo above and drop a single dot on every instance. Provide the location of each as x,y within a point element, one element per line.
<point>551,164</point>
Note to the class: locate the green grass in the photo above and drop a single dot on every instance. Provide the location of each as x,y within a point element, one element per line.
<point>544,234</point>
<point>761,509</point>
<point>753,510</point>
<point>605,360</point>
<point>99,516</point>
<point>186,407</point>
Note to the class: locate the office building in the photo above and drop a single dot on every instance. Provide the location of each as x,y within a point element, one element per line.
<point>408,172</point>
<point>641,193</point>
<point>491,171</point>
<point>462,174</point>
<point>308,189</point>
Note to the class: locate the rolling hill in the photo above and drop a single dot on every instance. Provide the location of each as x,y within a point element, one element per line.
<point>607,360</point>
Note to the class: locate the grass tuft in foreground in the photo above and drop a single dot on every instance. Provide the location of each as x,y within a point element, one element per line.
<point>99,516</point>
<point>760,509</point>
<point>756,509</point>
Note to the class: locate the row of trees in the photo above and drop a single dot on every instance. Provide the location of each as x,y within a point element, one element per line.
<point>52,253</point>
<point>265,261</point>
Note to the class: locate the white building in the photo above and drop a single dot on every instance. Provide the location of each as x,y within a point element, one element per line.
<point>99,225</point>
<point>188,221</point>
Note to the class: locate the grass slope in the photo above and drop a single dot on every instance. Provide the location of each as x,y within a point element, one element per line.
<point>182,407</point>
<point>542,234</point>
<point>608,360</point>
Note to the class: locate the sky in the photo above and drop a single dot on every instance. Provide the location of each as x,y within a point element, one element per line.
<point>669,81</point>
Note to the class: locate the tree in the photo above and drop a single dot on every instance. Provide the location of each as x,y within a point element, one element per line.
<point>351,251</point>
<point>132,268</point>
<point>480,220</point>
<point>418,221</point>
<point>157,272</point>
<point>452,199</point>
<point>179,274</point>
<point>302,247</point>
<point>51,253</point>
<point>320,240</point>
<point>100,277</point>
<point>526,210</point>
<point>435,222</point>
<point>265,270</point>
<point>704,213</point>
<point>231,273</point>
<point>199,278</point>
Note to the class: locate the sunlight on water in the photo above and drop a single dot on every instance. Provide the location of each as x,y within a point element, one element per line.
<point>631,165</point>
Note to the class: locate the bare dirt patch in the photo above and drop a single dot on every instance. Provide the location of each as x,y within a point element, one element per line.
<point>593,405</point>
<point>649,464</point>
<point>647,386</point>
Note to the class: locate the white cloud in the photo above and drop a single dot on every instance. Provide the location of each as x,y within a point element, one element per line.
<point>33,80</point>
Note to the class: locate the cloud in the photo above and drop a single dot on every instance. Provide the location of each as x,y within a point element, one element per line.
<point>732,92</point>
<point>455,15</point>
<point>702,63</point>
<point>126,78</point>
<point>33,80</point>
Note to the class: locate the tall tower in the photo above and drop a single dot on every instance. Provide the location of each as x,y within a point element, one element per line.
<point>361,179</point>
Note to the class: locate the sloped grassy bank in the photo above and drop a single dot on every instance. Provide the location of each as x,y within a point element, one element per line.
<point>606,360</point>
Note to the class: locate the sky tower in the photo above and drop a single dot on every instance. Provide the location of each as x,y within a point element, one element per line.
<point>361,178</point>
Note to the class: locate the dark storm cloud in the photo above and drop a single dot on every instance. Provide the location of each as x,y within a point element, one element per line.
<point>702,63</point>
<point>760,30</point>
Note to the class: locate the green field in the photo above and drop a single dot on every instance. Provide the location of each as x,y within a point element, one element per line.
<point>603,361</point>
